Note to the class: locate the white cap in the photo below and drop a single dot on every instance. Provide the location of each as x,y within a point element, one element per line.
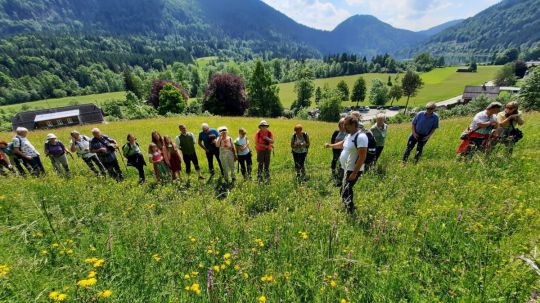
<point>21,129</point>
<point>264,123</point>
<point>204,125</point>
<point>222,129</point>
<point>95,130</point>
<point>50,136</point>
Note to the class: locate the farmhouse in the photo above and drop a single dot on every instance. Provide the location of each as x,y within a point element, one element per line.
<point>532,63</point>
<point>464,70</point>
<point>472,92</point>
<point>58,117</point>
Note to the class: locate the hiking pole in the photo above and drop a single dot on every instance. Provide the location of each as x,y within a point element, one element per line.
<point>122,158</point>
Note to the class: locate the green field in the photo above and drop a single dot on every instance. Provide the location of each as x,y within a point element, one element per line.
<point>439,231</point>
<point>439,84</point>
<point>96,99</point>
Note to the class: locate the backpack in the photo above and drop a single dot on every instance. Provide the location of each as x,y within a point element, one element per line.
<point>126,153</point>
<point>10,149</point>
<point>304,134</point>
<point>372,147</point>
<point>47,146</point>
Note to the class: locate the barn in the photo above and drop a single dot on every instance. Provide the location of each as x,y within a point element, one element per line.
<point>58,117</point>
<point>472,92</point>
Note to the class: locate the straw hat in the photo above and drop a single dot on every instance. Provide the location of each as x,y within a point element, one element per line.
<point>263,123</point>
<point>51,136</point>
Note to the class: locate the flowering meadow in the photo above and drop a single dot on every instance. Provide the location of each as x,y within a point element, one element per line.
<point>443,230</point>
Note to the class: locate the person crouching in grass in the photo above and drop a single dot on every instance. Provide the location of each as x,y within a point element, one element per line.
<point>161,171</point>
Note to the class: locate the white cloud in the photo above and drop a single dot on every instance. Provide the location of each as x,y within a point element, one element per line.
<point>314,13</point>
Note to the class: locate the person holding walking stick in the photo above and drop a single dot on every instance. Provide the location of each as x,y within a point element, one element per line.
<point>105,148</point>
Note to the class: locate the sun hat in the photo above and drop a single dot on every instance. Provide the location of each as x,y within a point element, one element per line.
<point>204,125</point>
<point>21,129</point>
<point>263,123</point>
<point>50,136</point>
<point>74,132</point>
<point>222,129</point>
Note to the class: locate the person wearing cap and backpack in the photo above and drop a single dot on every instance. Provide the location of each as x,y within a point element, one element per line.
<point>4,159</point>
<point>57,153</point>
<point>80,144</point>
<point>26,153</point>
<point>132,151</point>
<point>264,140</point>
<point>352,159</point>
<point>300,146</point>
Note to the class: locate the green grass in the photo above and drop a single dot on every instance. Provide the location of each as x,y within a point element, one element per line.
<point>439,84</point>
<point>439,231</point>
<point>59,102</point>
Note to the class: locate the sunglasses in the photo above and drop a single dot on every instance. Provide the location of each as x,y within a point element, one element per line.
<point>431,108</point>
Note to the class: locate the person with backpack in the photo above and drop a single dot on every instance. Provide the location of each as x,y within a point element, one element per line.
<point>352,159</point>
<point>172,157</point>
<point>207,141</point>
<point>132,152</point>
<point>508,120</point>
<point>227,153</point>
<point>379,130</point>
<point>26,153</point>
<point>424,125</point>
<point>264,140</point>
<point>338,136</point>
<point>186,142</point>
<point>81,145</point>
<point>105,148</point>
<point>57,153</point>
<point>300,146</point>
<point>243,153</point>
<point>5,163</point>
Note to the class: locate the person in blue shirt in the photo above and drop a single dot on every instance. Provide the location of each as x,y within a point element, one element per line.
<point>423,126</point>
<point>207,139</point>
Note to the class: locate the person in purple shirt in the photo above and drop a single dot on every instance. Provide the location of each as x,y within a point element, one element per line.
<point>423,126</point>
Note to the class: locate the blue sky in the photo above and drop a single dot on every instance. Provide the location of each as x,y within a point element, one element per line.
<point>408,14</point>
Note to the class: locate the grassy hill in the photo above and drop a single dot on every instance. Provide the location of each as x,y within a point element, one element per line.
<point>439,231</point>
<point>96,99</point>
<point>439,84</point>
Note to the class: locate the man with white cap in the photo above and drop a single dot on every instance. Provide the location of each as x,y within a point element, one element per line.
<point>207,141</point>
<point>81,144</point>
<point>26,153</point>
<point>264,140</point>
<point>105,148</point>
<point>56,151</point>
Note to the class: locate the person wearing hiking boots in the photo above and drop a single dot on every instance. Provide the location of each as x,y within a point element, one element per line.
<point>244,154</point>
<point>207,141</point>
<point>57,152</point>
<point>186,143</point>
<point>105,148</point>
<point>27,154</point>
<point>132,152</point>
<point>352,159</point>
<point>227,154</point>
<point>81,145</point>
<point>300,146</point>
<point>264,140</point>
<point>423,127</point>
<point>338,136</point>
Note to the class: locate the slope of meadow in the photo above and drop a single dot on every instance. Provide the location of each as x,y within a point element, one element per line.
<point>439,231</point>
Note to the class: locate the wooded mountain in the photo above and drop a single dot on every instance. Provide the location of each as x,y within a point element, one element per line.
<point>203,27</point>
<point>508,24</point>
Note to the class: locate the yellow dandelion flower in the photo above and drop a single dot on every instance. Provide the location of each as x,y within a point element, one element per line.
<point>236,267</point>
<point>333,283</point>
<point>227,256</point>
<point>104,294</point>
<point>44,252</point>
<point>222,266</point>
<point>192,239</point>
<point>268,279</point>
<point>343,301</point>
<point>246,275</point>
<point>303,235</point>
<point>68,241</point>
<point>262,299</point>
<point>98,263</point>
<point>215,268</point>
<point>90,260</point>
<point>259,242</point>
<point>57,296</point>
<point>194,273</point>
<point>69,251</point>
<point>156,257</point>
<point>4,270</point>
<point>91,274</point>
<point>195,288</point>
<point>228,262</point>
<point>55,245</point>
<point>187,277</point>
<point>209,251</point>
<point>92,248</point>
<point>87,282</point>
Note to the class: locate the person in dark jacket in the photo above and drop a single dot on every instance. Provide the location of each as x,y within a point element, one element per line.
<point>135,158</point>
<point>338,136</point>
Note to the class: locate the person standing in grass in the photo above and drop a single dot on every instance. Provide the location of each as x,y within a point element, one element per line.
<point>161,171</point>
<point>81,145</point>
<point>300,146</point>
<point>26,153</point>
<point>264,140</point>
<point>57,153</point>
<point>423,127</point>
<point>132,152</point>
<point>227,153</point>
<point>338,136</point>
<point>172,157</point>
<point>207,141</point>
<point>105,148</point>
<point>244,153</point>
<point>379,130</point>
<point>352,158</point>
<point>186,142</point>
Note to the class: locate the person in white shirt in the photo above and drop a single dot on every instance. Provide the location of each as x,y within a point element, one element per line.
<point>81,145</point>
<point>483,126</point>
<point>26,153</point>
<point>353,156</point>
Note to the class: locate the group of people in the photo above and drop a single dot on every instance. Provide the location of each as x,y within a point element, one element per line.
<point>355,148</point>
